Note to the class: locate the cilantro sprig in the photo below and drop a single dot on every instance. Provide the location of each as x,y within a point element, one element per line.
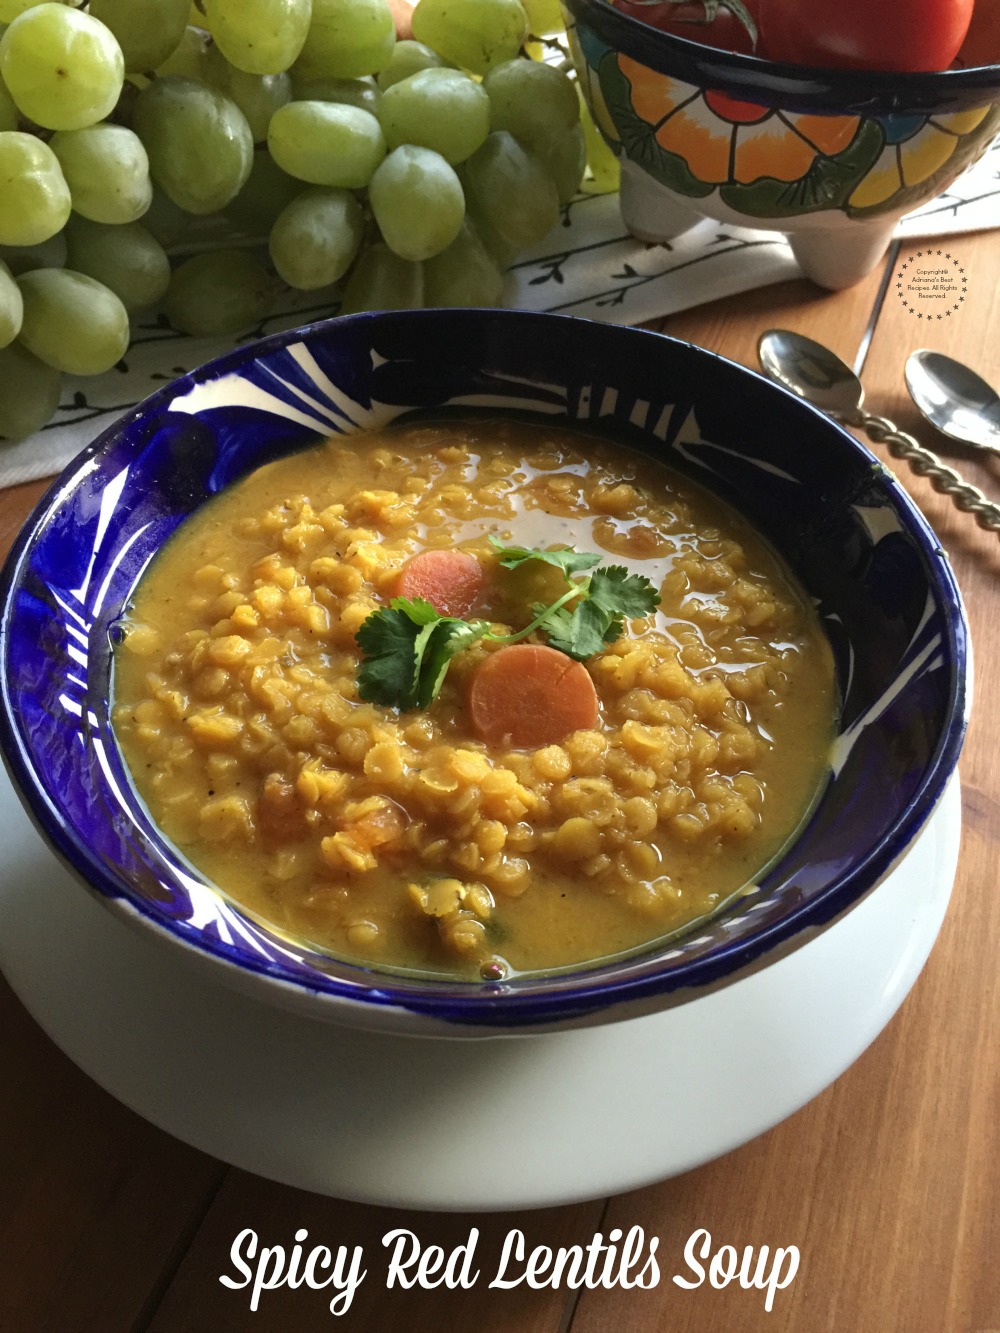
<point>408,645</point>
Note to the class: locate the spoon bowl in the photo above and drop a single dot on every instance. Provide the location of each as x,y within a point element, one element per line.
<point>811,371</point>
<point>954,399</point>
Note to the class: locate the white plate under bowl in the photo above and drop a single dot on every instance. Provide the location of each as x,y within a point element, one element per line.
<point>478,1125</point>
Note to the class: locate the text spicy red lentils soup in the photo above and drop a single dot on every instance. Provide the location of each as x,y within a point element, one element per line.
<point>473,698</point>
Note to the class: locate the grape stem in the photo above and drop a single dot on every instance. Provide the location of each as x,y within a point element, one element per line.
<point>557,44</point>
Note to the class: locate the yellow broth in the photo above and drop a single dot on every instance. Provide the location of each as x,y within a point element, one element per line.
<point>398,839</point>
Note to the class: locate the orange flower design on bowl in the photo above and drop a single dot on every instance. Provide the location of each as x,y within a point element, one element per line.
<point>723,140</point>
<point>769,163</point>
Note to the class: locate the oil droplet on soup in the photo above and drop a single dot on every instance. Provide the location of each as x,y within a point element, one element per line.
<point>400,838</point>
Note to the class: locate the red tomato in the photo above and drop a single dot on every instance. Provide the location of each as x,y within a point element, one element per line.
<point>982,42</point>
<point>688,20</point>
<point>864,34</point>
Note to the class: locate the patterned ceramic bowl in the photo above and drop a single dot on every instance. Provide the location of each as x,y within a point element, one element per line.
<point>883,587</point>
<point>831,157</point>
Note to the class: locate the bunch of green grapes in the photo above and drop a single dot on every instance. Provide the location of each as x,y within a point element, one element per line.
<point>312,145</point>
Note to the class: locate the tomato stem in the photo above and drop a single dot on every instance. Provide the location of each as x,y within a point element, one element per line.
<point>709,12</point>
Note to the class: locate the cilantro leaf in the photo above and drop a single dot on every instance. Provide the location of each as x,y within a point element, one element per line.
<point>558,625</point>
<point>581,634</point>
<point>417,609</point>
<point>407,647</point>
<point>622,594</point>
<point>609,597</point>
<point>389,672</point>
<point>443,641</point>
<point>568,560</point>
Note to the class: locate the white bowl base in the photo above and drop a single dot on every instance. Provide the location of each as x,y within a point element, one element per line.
<point>485,1124</point>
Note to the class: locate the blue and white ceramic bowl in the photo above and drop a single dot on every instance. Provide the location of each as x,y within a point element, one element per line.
<point>883,587</point>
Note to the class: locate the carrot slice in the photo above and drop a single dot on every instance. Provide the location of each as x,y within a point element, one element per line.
<point>526,695</point>
<point>452,581</point>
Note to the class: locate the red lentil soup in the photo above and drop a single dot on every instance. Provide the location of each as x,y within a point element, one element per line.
<point>402,839</point>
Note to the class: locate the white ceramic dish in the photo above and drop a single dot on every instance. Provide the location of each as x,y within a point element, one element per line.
<point>403,1121</point>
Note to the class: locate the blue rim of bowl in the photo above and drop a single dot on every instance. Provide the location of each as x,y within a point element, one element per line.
<point>790,86</point>
<point>534,1000</point>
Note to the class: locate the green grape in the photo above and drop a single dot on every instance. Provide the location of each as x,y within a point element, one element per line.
<point>381,280</point>
<point>363,92</point>
<point>218,293</point>
<point>511,191</point>
<point>198,140</point>
<point>417,201</point>
<point>347,38</point>
<point>534,102</point>
<point>148,31</point>
<point>267,191</point>
<point>107,171</point>
<point>603,168</point>
<point>476,34</point>
<point>502,251</point>
<point>125,258</point>
<point>72,322</point>
<point>8,111</point>
<point>35,200</point>
<point>164,220</point>
<point>465,274</point>
<point>63,68</point>
<point>326,143</point>
<point>408,57</point>
<point>192,58</point>
<point>11,307</point>
<point>565,158</point>
<point>30,392</point>
<point>316,237</point>
<point>258,96</point>
<point>442,109</point>
<point>197,16</point>
<point>46,254</point>
<point>215,69</point>
<point>544,16</point>
<point>9,10</point>
<point>259,36</point>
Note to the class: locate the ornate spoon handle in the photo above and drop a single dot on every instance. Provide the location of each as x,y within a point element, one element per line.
<point>945,479</point>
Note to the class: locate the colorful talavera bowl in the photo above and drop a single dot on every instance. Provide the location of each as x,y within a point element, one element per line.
<point>882,585</point>
<point>831,157</point>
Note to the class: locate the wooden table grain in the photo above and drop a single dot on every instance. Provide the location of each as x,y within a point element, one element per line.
<point>888,1183</point>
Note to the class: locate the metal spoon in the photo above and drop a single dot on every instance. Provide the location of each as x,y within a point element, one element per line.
<point>954,399</point>
<point>814,373</point>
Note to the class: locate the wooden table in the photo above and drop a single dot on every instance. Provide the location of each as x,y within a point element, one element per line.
<point>888,1183</point>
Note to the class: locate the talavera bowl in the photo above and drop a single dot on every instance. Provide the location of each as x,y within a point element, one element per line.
<point>831,157</point>
<point>883,587</point>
